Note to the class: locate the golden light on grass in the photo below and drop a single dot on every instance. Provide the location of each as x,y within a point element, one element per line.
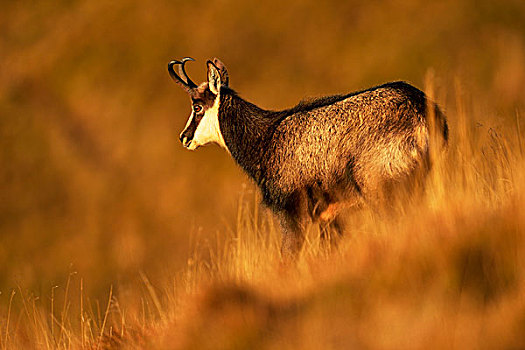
<point>112,236</point>
<point>446,270</point>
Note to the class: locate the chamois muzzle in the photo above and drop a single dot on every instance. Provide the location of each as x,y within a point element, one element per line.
<point>185,139</point>
<point>187,85</point>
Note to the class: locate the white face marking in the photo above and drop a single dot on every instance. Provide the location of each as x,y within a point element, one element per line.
<point>208,129</point>
<point>185,127</point>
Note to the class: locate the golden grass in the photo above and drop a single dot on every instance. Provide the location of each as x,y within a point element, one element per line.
<point>111,233</point>
<point>446,270</point>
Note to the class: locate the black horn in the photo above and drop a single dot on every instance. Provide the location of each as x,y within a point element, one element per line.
<point>182,71</point>
<point>187,85</point>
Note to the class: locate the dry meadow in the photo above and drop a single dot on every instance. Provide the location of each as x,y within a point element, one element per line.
<point>114,236</point>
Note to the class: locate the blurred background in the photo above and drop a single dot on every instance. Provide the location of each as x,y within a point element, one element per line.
<point>93,179</point>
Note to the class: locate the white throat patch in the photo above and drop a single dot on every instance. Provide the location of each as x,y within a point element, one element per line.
<point>208,129</point>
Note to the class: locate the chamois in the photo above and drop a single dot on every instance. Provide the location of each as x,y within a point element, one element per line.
<point>311,160</point>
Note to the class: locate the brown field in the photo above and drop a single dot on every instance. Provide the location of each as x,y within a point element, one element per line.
<point>113,236</point>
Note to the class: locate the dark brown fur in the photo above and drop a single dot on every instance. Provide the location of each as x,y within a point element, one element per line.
<point>325,154</point>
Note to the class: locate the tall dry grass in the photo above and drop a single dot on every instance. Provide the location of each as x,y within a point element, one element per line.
<point>111,233</point>
<point>445,270</point>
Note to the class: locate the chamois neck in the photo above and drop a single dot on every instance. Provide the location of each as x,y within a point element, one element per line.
<point>246,130</point>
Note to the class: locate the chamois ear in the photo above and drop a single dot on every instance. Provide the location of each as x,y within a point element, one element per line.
<point>222,70</point>
<point>214,78</point>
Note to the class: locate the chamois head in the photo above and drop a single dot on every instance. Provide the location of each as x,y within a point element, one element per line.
<point>203,124</point>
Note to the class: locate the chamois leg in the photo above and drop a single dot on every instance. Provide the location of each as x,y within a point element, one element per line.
<point>331,231</point>
<point>294,221</point>
<point>329,216</point>
<point>293,231</point>
<point>330,223</point>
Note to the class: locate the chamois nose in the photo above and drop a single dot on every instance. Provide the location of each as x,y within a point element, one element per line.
<point>184,140</point>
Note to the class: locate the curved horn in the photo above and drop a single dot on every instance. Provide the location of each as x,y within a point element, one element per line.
<point>186,85</point>
<point>182,71</point>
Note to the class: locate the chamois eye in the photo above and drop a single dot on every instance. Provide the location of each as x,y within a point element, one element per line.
<point>197,108</point>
